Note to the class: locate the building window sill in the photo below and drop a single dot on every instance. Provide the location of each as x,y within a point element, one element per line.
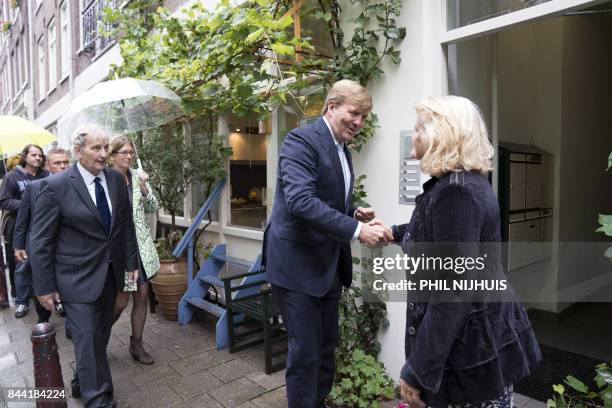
<point>50,91</point>
<point>64,78</point>
<point>248,233</point>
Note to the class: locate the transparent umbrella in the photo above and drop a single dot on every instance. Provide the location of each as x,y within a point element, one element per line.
<point>122,106</point>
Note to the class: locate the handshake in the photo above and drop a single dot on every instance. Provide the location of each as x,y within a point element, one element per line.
<point>373,231</point>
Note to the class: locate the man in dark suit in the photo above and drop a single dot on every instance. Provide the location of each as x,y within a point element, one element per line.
<point>82,243</point>
<point>57,160</point>
<point>307,251</point>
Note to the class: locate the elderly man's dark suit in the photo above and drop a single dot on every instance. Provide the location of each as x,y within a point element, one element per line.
<point>307,256</point>
<point>73,253</point>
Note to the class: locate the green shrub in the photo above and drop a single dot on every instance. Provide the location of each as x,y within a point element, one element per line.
<point>578,394</point>
<point>363,382</point>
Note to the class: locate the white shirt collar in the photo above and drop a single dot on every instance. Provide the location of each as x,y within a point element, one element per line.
<point>331,132</point>
<point>88,178</point>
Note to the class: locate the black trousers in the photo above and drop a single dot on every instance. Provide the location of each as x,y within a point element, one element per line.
<point>9,228</point>
<point>312,327</point>
<point>90,324</point>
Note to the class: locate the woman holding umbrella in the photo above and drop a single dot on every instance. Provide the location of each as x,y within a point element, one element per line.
<point>121,158</point>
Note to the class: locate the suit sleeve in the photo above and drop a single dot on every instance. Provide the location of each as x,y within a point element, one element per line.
<point>298,168</point>
<point>43,241</point>
<point>8,191</point>
<point>455,227</point>
<point>128,232</point>
<point>22,223</point>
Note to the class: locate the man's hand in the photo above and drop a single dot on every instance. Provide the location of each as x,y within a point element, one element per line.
<point>133,276</point>
<point>374,233</point>
<point>48,301</point>
<point>411,395</point>
<point>388,232</point>
<point>21,255</point>
<point>364,214</point>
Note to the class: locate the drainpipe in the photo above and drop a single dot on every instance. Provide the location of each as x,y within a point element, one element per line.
<point>72,53</point>
<point>32,46</point>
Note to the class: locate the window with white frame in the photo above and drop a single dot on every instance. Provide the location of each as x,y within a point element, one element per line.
<point>13,76</point>
<point>23,66</point>
<point>4,91</point>
<point>6,82</point>
<point>64,40</point>
<point>42,69</point>
<point>52,57</point>
<point>16,66</point>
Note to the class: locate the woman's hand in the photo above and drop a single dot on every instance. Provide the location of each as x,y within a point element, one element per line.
<point>142,179</point>
<point>132,276</point>
<point>411,395</point>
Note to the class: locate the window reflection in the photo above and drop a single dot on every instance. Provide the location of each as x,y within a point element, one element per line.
<point>248,171</point>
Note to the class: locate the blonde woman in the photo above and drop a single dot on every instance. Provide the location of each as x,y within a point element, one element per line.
<point>463,353</point>
<point>121,158</point>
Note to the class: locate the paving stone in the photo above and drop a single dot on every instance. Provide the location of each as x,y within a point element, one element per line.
<point>519,401</point>
<point>163,355</point>
<point>153,376</point>
<point>198,383</point>
<point>247,404</point>
<point>74,402</point>
<point>187,350</point>
<point>124,368</point>
<point>269,382</point>
<point>7,361</point>
<point>273,399</point>
<point>24,355</point>
<point>161,396</point>
<point>232,370</point>
<point>196,363</point>
<point>236,392</point>
<point>200,401</point>
<point>4,339</point>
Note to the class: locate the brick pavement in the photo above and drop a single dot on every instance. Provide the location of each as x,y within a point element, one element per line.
<point>188,372</point>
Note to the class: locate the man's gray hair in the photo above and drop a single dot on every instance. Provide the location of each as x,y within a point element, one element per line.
<point>80,135</point>
<point>56,150</point>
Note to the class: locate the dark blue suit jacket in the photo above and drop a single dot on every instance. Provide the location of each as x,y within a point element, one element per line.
<point>306,242</point>
<point>70,249</point>
<point>24,216</point>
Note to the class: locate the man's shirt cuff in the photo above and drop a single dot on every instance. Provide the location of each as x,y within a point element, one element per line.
<point>357,231</point>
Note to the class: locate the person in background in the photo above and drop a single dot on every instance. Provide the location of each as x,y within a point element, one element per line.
<point>57,160</point>
<point>30,168</point>
<point>121,158</point>
<point>464,353</point>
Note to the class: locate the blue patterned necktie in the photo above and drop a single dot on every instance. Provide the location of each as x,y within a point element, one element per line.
<point>102,204</point>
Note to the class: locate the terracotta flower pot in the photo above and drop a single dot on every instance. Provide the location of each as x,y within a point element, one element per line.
<point>169,285</point>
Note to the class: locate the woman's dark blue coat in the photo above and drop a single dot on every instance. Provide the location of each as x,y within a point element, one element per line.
<point>462,351</point>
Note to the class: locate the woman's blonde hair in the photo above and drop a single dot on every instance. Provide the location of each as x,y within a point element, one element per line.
<point>116,143</point>
<point>455,136</point>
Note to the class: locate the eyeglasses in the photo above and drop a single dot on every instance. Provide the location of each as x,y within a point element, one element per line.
<point>125,153</point>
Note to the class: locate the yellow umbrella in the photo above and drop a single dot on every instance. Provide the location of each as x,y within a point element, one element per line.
<point>16,133</point>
